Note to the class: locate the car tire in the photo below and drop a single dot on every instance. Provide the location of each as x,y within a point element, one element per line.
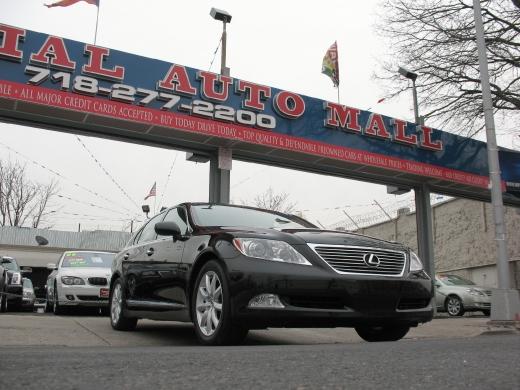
<point>211,308</point>
<point>454,306</point>
<point>57,309</point>
<point>48,306</point>
<point>382,333</point>
<point>117,299</point>
<point>3,302</point>
<point>487,313</point>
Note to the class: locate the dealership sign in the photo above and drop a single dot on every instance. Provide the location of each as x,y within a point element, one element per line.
<point>58,73</point>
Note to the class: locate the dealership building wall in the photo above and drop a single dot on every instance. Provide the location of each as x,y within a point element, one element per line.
<point>463,236</point>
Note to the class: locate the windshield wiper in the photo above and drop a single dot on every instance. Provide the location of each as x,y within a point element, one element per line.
<point>279,220</point>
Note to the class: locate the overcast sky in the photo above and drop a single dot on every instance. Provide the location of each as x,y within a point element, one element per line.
<point>280,44</point>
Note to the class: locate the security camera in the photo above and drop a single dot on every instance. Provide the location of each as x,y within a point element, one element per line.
<point>407,73</point>
<point>219,14</point>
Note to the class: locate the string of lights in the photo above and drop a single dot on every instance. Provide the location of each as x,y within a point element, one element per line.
<point>168,179</point>
<point>61,176</point>
<point>105,171</point>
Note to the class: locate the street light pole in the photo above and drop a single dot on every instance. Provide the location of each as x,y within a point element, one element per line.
<point>220,161</point>
<point>505,302</point>
<point>423,207</point>
<point>223,70</point>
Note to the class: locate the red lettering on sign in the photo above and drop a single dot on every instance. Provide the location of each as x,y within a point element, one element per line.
<point>209,86</point>
<point>254,94</point>
<point>177,80</point>
<point>289,105</point>
<point>400,133</point>
<point>10,38</point>
<point>53,50</point>
<point>342,116</point>
<point>376,127</point>
<point>426,139</point>
<point>95,64</point>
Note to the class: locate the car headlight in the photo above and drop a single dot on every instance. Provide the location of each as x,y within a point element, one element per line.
<point>474,291</point>
<point>72,280</point>
<point>16,278</point>
<point>415,263</point>
<point>269,250</point>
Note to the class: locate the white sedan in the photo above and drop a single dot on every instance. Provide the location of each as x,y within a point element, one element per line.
<point>81,278</point>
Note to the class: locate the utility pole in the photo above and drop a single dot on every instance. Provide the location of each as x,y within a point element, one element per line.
<point>505,302</point>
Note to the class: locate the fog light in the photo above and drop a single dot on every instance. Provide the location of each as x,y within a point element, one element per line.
<point>266,301</point>
<point>70,297</point>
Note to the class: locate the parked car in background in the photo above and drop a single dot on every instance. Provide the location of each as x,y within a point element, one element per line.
<point>28,296</point>
<point>457,295</point>
<point>229,269</point>
<point>11,288</point>
<point>80,279</point>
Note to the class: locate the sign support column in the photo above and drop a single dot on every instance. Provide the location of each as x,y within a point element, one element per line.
<point>219,176</point>
<point>424,221</point>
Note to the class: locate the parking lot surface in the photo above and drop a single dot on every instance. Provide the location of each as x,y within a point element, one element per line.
<point>79,329</point>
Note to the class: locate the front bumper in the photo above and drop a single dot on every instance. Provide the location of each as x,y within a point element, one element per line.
<point>476,302</point>
<point>316,296</point>
<point>14,294</point>
<point>82,295</point>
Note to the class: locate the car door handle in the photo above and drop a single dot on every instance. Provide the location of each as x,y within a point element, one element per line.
<point>150,251</point>
<point>126,256</point>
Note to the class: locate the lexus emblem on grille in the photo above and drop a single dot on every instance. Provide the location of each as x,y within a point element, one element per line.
<point>371,260</point>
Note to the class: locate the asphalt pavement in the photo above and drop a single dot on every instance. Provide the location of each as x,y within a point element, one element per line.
<point>81,351</point>
<point>86,330</point>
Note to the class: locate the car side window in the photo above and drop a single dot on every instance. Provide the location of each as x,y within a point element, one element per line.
<point>148,233</point>
<point>179,216</point>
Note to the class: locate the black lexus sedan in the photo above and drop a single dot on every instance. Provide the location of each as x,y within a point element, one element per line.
<point>229,269</point>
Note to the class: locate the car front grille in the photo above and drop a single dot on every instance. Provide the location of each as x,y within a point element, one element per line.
<point>487,292</point>
<point>90,298</point>
<point>362,260</point>
<point>97,281</point>
<point>413,303</point>
<point>315,302</point>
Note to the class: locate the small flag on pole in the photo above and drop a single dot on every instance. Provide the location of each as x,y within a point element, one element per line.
<point>152,191</point>
<point>66,3</point>
<point>330,65</point>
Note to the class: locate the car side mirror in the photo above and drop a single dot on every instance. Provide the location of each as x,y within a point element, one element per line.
<point>52,266</point>
<point>168,229</point>
<point>437,285</point>
<point>26,270</point>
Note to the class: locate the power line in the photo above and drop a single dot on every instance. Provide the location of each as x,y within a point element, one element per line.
<point>168,179</point>
<point>63,177</point>
<point>215,54</point>
<point>105,171</point>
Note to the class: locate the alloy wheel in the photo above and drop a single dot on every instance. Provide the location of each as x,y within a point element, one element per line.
<point>209,303</point>
<point>117,304</point>
<point>453,306</point>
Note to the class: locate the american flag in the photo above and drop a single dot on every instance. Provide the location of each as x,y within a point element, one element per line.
<point>66,3</point>
<point>152,192</point>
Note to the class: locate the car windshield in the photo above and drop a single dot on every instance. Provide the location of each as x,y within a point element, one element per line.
<point>218,215</point>
<point>454,280</point>
<point>87,259</point>
<point>27,283</point>
<point>10,264</point>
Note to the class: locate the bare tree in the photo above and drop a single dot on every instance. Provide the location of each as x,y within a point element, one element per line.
<point>276,202</point>
<point>21,200</point>
<point>436,39</point>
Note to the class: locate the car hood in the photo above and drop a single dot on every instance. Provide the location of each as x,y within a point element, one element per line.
<point>314,236</point>
<point>86,272</point>
<point>466,287</point>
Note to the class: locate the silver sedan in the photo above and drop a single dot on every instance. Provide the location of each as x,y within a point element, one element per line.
<point>457,295</point>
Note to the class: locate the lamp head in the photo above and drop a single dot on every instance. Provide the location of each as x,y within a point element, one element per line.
<point>407,73</point>
<point>219,14</point>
